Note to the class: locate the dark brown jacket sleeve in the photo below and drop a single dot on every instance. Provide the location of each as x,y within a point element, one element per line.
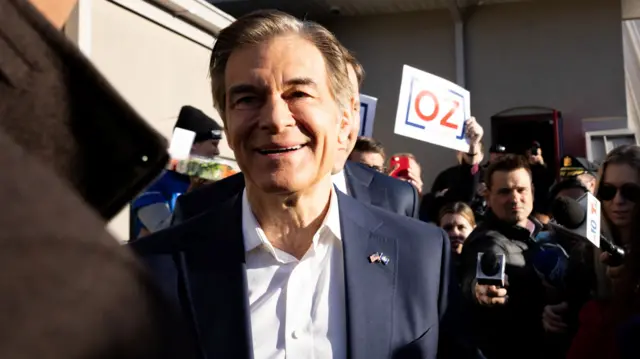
<point>69,289</point>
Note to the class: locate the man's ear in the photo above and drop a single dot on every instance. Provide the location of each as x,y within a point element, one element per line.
<point>56,11</point>
<point>344,126</point>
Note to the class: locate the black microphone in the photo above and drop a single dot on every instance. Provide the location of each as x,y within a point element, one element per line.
<point>571,216</point>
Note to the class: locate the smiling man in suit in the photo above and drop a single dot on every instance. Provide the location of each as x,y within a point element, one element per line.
<point>352,178</point>
<point>290,266</point>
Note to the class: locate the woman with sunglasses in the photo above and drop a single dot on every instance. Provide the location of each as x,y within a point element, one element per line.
<point>603,321</point>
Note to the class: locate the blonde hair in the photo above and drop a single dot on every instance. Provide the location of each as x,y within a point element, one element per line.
<point>630,155</point>
<point>460,208</point>
<point>263,25</point>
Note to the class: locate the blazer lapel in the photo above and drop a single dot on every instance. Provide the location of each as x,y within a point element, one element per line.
<point>215,283</point>
<point>369,286</point>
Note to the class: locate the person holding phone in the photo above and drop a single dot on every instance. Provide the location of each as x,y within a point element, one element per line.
<point>405,167</point>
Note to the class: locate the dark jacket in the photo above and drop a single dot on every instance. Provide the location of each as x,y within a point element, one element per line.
<point>393,311</point>
<point>513,330</point>
<point>460,181</point>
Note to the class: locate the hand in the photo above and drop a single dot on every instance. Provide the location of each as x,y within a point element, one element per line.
<point>491,295</point>
<point>552,318</point>
<point>473,132</point>
<point>481,189</point>
<point>414,178</point>
<point>615,274</point>
<point>393,169</point>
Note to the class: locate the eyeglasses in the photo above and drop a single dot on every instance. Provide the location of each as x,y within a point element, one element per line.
<point>629,191</point>
<point>378,168</point>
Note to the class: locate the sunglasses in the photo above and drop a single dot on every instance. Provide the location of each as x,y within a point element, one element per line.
<point>377,168</point>
<point>629,191</point>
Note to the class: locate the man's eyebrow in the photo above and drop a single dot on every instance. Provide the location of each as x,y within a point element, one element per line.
<point>301,81</point>
<point>242,88</point>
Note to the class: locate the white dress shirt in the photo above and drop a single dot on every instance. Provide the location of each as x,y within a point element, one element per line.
<point>340,181</point>
<point>297,307</point>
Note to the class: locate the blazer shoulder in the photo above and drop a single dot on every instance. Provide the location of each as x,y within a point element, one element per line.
<point>406,229</point>
<point>192,202</point>
<point>393,183</point>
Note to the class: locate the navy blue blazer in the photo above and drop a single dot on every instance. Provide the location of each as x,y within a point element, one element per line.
<point>364,183</point>
<point>393,310</point>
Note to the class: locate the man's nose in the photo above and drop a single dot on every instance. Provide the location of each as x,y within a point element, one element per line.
<point>276,115</point>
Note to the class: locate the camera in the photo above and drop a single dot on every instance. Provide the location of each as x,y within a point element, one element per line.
<point>490,269</point>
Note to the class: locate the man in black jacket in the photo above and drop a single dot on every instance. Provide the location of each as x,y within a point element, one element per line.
<point>506,320</point>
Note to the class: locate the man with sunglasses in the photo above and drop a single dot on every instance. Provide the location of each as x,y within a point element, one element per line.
<point>369,152</point>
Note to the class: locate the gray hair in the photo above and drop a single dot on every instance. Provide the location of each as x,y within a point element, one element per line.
<point>260,26</point>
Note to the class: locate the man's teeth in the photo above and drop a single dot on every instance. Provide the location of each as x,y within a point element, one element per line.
<point>280,150</point>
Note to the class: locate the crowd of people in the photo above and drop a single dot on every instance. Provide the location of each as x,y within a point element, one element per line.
<point>556,285</point>
<point>321,247</point>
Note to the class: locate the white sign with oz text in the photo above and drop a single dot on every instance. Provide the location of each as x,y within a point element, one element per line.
<point>432,109</point>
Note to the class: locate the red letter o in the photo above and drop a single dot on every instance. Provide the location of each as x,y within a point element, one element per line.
<point>436,106</point>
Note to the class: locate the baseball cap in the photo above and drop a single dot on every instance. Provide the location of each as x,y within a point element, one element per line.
<point>205,127</point>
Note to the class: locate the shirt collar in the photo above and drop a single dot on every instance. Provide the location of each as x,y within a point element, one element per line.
<point>340,181</point>
<point>254,235</point>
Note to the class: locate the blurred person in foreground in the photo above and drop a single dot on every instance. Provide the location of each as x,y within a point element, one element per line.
<point>506,320</point>
<point>357,180</point>
<point>369,152</point>
<point>68,153</point>
<point>290,265</point>
<point>153,209</point>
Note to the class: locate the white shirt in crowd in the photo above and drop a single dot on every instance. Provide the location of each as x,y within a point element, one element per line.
<point>297,307</point>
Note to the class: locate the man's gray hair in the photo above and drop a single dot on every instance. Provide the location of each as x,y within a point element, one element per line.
<point>263,25</point>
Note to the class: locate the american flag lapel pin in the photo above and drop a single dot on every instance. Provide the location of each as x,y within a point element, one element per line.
<point>379,258</point>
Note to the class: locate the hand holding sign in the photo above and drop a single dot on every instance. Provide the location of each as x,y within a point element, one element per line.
<point>433,110</point>
<point>473,132</point>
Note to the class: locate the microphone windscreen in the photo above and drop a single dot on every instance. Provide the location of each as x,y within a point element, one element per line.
<point>489,264</point>
<point>568,212</point>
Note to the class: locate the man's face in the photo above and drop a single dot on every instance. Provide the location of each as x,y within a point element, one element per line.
<point>208,148</point>
<point>371,159</point>
<point>588,181</point>
<point>511,195</point>
<point>282,121</point>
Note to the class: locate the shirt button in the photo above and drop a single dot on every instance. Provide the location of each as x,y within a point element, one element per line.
<point>295,334</point>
